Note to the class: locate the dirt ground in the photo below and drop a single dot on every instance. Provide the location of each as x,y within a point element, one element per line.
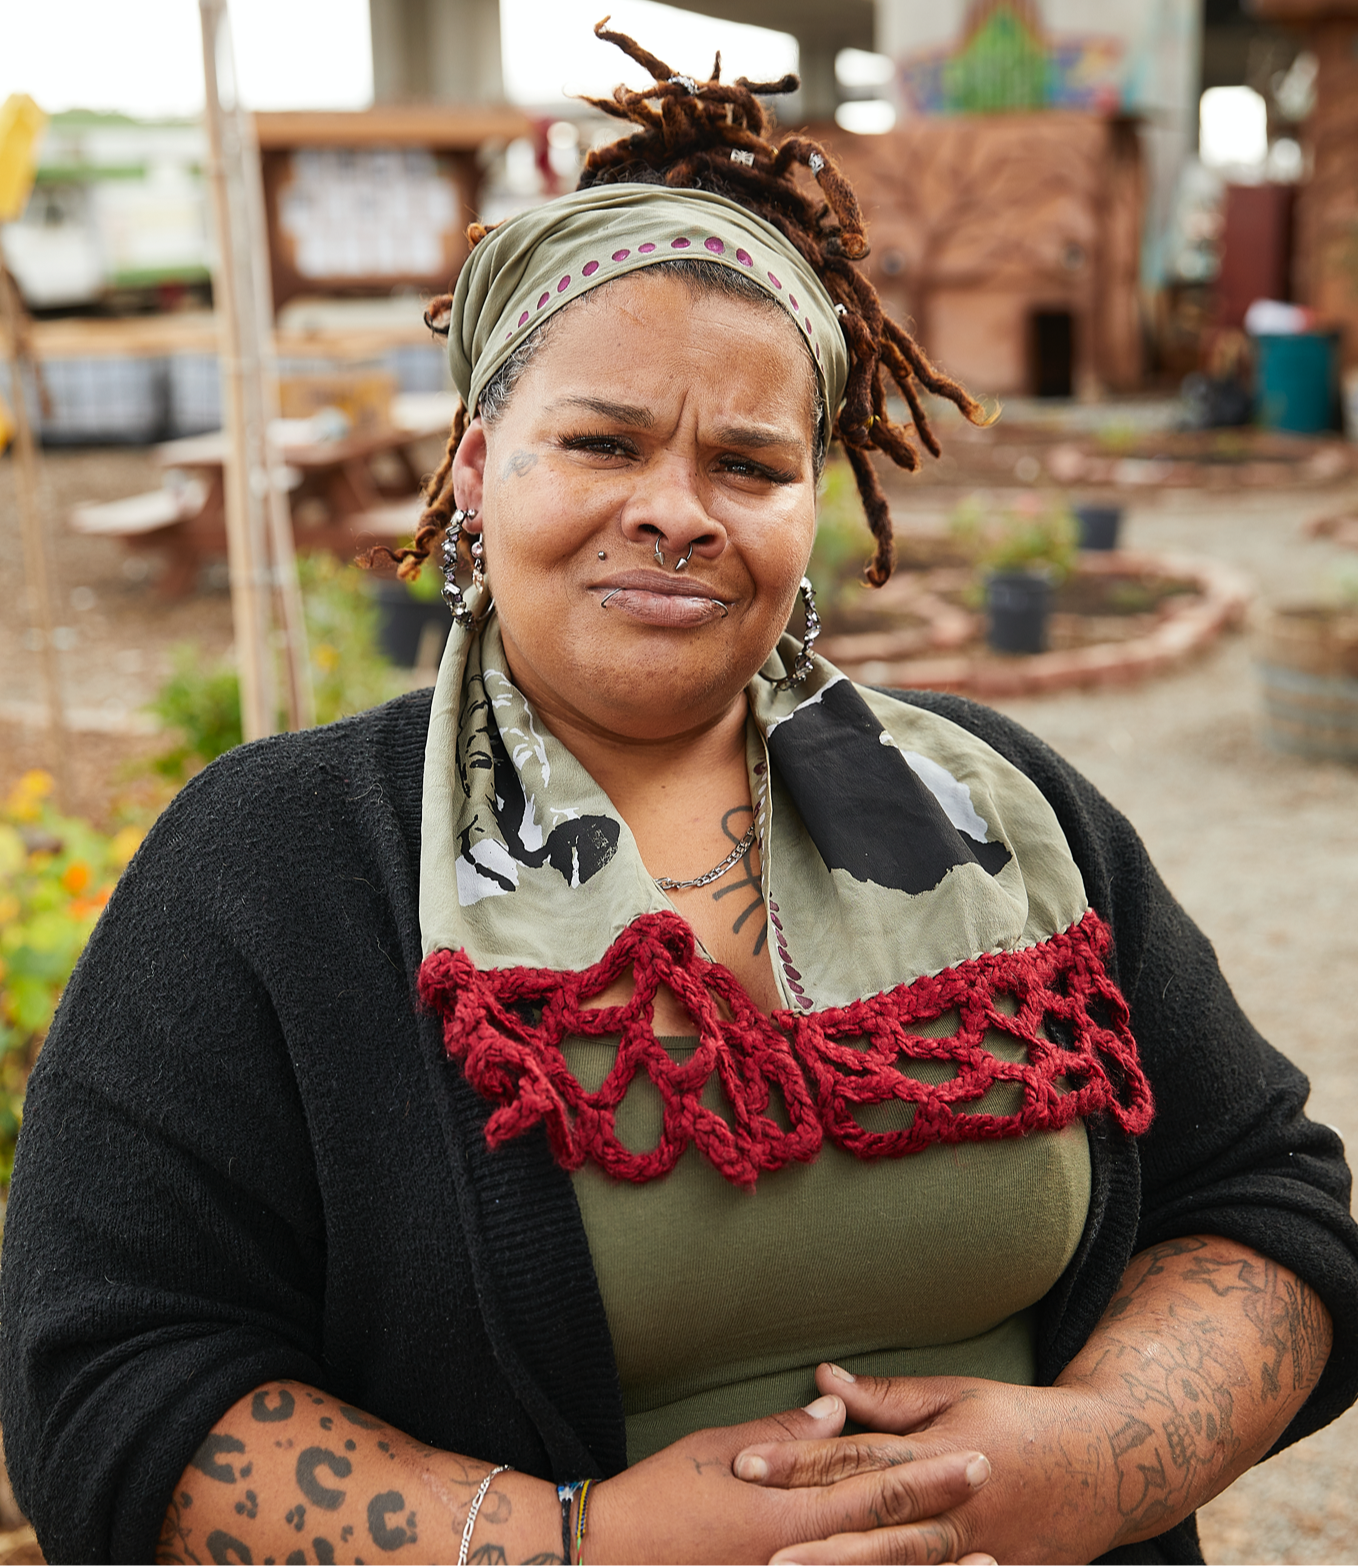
<point>1262,849</point>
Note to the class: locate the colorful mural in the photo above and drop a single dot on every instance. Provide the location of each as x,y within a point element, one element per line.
<point>1005,60</point>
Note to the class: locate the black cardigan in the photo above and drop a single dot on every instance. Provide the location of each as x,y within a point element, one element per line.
<point>244,1155</point>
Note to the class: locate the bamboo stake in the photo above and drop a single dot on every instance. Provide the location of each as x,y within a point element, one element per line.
<point>35,543</point>
<point>292,624</point>
<point>251,579</point>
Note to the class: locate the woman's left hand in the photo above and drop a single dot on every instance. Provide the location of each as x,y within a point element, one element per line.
<point>1045,1499</point>
<point>1199,1364</point>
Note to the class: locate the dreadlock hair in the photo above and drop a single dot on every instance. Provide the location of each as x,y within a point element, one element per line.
<point>715,136</point>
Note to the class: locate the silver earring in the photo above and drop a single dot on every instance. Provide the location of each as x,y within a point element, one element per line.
<point>804,662</point>
<point>452,593</point>
<point>686,559</point>
<point>478,563</point>
<point>659,558</point>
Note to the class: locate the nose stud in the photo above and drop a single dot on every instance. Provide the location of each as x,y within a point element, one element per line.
<point>680,566</point>
<point>659,558</point>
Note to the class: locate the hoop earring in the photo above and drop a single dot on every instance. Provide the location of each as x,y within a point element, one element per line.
<point>452,593</point>
<point>804,664</point>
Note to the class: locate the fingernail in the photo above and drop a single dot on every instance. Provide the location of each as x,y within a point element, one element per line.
<point>840,1374</point>
<point>978,1471</point>
<point>750,1467</point>
<point>823,1407</point>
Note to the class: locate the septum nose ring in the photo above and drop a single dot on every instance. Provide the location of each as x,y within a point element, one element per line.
<point>680,565</point>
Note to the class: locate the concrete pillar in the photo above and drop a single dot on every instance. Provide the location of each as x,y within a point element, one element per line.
<point>820,95</point>
<point>441,51</point>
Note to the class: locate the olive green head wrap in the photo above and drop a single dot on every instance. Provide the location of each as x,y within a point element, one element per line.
<point>533,264</point>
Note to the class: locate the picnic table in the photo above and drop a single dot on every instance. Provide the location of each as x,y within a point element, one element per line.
<point>345,494</point>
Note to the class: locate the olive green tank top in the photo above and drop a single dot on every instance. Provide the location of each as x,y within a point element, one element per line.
<point>721,1301</point>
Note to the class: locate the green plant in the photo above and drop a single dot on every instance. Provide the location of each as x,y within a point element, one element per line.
<point>1117,439</point>
<point>56,874</point>
<point>349,672</point>
<point>1037,533</point>
<point>843,540</point>
<point>200,702</point>
<point>1344,584</point>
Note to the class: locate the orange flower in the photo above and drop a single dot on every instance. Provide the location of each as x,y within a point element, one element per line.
<point>76,877</point>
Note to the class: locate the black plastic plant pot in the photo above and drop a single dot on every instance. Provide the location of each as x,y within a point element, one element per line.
<point>401,619</point>
<point>1099,526</point>
<point>1018,604</point>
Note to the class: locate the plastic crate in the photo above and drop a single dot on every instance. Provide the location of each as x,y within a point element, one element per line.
<point>195,393</point>
<point>422,368</point>
<point>104,401</point>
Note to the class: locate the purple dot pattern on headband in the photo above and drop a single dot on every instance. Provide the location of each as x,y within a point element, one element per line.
<point>716,247</point>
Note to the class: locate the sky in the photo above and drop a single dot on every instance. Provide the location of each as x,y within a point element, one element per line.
<point>144,57</point>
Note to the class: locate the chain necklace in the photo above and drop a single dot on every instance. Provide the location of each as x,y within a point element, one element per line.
<point>715,874</point>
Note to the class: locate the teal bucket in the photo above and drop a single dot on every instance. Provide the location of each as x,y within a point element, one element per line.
<point>1298,382</point>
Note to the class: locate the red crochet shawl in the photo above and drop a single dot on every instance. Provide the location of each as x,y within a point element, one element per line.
<point>505,1027</point>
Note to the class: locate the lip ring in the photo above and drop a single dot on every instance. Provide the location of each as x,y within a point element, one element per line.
<point>603,602</point>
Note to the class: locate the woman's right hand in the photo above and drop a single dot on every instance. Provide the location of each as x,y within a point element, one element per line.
<point>686,1504</point>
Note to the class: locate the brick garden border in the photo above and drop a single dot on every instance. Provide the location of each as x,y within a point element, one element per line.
<point>1186,627</point>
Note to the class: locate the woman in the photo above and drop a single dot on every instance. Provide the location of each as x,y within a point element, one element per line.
<point>777,1043</point>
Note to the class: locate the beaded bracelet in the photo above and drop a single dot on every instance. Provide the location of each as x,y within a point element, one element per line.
<point>572,1545</point>
<point>472,1511</point>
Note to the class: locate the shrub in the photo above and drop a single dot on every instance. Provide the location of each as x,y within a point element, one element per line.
<point>200,702</point>
<point>844,542</point>
<point>1035,534</point>
<point>56,874</point>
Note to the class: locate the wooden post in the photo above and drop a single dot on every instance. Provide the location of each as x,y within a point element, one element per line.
<point>250,580</point>
<point>266,600</point>
<point>35,544</point>
<point>292,635</point>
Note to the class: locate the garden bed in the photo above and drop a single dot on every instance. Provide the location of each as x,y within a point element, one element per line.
<point>1121,616</point>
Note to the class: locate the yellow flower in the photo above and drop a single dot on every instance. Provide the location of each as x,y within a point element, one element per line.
<point>26,797</point>
<point>124,844</point>
<point>325,657</point>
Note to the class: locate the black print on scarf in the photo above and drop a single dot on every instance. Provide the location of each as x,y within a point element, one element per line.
<point>576,849</point>
<point>863,807</point>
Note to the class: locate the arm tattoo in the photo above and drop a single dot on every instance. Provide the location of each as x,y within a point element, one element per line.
<point>1177,1391</point>
<point>172,1548</point>
<point>494,1555</point>
<point>749,882</point>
